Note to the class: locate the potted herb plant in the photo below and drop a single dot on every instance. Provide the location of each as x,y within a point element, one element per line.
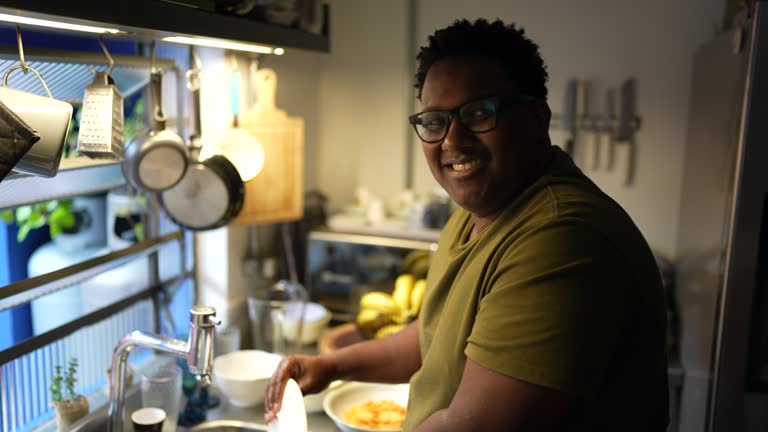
<point>70,406</point>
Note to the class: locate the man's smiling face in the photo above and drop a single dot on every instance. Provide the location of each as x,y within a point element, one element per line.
<point>483,172</point>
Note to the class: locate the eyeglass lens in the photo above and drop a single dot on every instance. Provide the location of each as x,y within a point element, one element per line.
<point>477,117</point>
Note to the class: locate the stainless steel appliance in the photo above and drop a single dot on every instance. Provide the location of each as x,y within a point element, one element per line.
<point>722,267</point>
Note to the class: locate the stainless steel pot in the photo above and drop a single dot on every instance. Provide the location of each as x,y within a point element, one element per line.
<point>156,159</point>
<point>209,196</point>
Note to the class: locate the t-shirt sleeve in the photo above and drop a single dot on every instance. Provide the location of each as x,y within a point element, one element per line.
<point>554,309</point>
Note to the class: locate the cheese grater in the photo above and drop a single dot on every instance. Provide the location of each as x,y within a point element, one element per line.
<point>101,123</point>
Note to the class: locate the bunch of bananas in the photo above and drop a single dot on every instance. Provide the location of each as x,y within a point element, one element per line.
<point>416,263</point>
<point>382,314</point>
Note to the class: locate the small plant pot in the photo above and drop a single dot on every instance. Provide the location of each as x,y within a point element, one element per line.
<point>67,413</point>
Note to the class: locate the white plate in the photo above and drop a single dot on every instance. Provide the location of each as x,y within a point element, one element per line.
<point>292,416</point>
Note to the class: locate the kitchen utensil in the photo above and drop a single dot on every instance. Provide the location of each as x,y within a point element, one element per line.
<point>569,115</point>
<point>227,340</point>
<point>267,310</point>
<point>210,194</point>
<point>156,159</point>
<point>352,394</point>
<point>628,124</point>
<point>149,419</point>
<point>16,138</point>
<point>161,388</point>
<point>46,115</point>
<point>242,376</point>
<point>609,127</point>
<point>293,415</point>
<point>101,123</point>
<point>585,135</point>
<point>315,319</point>
<point>276,194</point>
<point>240,147</point>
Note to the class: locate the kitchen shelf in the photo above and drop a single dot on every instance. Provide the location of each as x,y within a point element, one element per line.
<point>76,176</point>
<point>26,290</point>
<point>67,73</point>
<point>154,19</point>
<point>385,237</point>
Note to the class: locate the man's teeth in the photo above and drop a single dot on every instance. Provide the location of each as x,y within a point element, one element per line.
<point>465,166</point>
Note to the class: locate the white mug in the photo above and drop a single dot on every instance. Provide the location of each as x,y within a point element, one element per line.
<point>48,117</point>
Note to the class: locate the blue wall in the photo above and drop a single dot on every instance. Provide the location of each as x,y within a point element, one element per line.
<point>16,323</point>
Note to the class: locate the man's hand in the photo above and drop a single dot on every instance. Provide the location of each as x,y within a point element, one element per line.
<point>488,400</point>
<point>392,359</point>
<point>312,373</point>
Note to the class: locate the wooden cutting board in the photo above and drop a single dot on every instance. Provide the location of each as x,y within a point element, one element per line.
<point>276,194</point>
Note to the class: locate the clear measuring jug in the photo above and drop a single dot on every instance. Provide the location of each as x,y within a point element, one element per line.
<point>268,310</point>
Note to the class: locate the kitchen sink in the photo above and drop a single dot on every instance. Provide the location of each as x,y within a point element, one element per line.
<point>229,425</point>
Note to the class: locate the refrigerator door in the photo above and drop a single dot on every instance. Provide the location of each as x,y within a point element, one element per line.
<point>723,336</point>
<point>739,394</point>
<point>717,96</point>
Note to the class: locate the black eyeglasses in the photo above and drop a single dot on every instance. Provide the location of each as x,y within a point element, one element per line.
<point>477,116</point>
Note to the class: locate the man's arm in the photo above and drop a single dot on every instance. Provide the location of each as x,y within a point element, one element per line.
<point>488,400</point>
<point>392,359</point>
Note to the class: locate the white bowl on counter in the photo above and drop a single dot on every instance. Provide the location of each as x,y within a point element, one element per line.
<point>351,394</point>
<point>316,319</point>
<point>243,376</point>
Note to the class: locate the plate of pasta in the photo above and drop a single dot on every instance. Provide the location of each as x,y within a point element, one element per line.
<point>367,407</point>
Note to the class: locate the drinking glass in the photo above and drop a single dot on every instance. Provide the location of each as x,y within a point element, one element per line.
<point>161,388</point>
<point>226,340</point>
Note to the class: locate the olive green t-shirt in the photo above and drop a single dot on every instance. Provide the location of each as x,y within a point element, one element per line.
<point>561,290</point>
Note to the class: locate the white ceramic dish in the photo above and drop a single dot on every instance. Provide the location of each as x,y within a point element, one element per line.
<point>316,319</point>
<point>343,398</point>
<point>242,376</point>
<point>292,416</point>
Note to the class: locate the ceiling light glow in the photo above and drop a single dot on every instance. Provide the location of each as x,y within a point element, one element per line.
<point>56,24</point>
<point>215,43</point>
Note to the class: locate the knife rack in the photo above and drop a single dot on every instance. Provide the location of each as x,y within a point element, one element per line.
<point>577,114</point>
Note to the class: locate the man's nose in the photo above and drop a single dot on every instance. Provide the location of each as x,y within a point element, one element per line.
<point>457,137</point>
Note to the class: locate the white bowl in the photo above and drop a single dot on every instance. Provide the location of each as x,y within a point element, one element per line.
<point>242,376</point>
<point>316,319</point>
<point>342,398</point>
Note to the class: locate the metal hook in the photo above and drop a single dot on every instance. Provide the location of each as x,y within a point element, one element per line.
<point>24,67</point>
<point>106,53</point>
<point>196,59</point>
<point>152,56</point>
<point>193,74</point>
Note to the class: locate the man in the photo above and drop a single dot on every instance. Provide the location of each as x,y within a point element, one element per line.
<point>544,307</point>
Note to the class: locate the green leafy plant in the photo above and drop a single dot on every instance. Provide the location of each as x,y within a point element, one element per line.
<point>57,214</point>
<point>63,383</point>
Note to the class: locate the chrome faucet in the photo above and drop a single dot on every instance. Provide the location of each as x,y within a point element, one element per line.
<point>198,351</point>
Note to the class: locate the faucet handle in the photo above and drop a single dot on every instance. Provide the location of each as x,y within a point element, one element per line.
<point>203,316</point>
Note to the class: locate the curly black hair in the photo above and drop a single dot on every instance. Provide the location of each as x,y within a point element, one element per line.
<point>517,53</point>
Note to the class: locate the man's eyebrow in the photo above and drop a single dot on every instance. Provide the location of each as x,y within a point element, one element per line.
<point>472,99</point>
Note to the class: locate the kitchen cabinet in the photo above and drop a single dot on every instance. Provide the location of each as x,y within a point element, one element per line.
<point>155,19</point>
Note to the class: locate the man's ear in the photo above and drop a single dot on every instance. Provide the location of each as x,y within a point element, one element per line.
<point>543,114</point>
